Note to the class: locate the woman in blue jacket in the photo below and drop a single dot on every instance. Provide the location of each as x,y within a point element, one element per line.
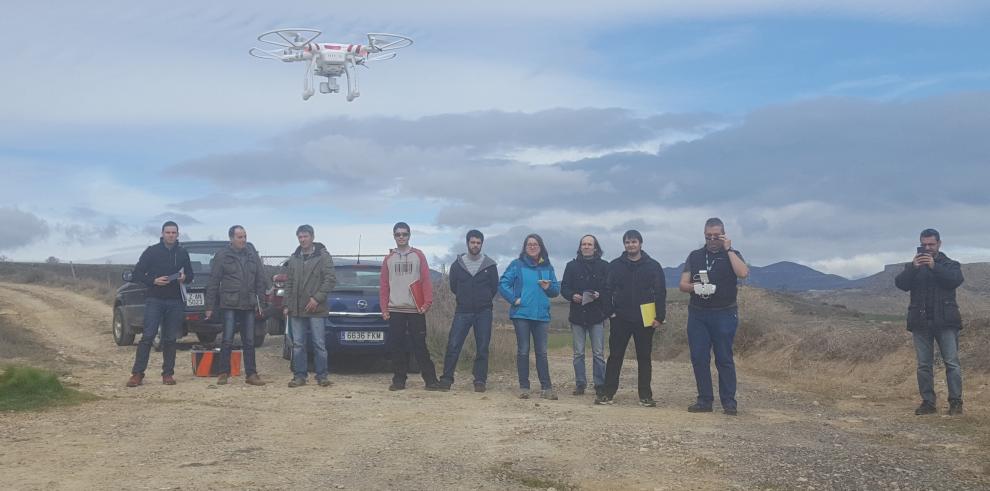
<point>528,284</point>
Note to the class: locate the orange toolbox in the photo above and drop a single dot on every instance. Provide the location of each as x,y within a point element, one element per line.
<point>206,361</point>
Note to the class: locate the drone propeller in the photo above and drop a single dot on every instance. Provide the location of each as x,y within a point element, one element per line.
<point>269,54</point>
<point>293,38</point>
<point>380,41</point>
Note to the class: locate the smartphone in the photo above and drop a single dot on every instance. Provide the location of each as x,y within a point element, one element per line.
<point>921,250</point>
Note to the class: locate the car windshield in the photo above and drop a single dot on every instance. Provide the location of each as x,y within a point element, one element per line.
<point>364,278</point>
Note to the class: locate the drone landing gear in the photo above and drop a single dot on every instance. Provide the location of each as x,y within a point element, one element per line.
<point>351,73</point>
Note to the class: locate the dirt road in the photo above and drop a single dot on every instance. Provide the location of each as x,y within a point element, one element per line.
<point>357,435</point>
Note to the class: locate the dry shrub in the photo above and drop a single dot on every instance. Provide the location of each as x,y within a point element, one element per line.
<point>974,345</point>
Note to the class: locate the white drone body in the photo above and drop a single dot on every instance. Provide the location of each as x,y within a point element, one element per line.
<point>329,60</point>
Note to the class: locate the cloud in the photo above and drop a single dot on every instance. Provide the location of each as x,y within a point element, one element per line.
<point>20,228</point>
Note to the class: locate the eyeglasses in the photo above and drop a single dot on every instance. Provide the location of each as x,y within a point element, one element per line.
<point>401,234</point>
<point>712,237</point>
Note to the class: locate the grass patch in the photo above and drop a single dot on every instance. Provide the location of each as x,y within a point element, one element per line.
<point>25,388</point>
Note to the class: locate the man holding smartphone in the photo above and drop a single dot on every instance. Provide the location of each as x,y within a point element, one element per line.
<point>933,316</point>
<point>711,275</point>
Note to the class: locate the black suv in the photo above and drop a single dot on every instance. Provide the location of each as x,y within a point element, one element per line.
<point>128,304</point>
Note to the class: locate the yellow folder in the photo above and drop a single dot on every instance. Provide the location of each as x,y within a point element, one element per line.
<point>649,311</point>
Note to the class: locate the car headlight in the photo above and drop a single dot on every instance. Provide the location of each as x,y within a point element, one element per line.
<point>280,292</point>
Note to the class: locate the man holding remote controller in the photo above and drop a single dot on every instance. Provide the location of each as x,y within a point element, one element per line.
<point>710,275</point>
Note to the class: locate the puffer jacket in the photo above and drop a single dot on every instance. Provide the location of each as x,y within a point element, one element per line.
<point>311,277</point>
<point>934,289</point>
<point>631,284</point>
<point>519,282</point>
<point>237,279</point>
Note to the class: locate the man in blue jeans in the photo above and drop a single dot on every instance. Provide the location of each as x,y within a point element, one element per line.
<point>310,278</point>
<point>711,275</point>
<point>933,316</point>
<point>474,282</point>
<point>161,268</point>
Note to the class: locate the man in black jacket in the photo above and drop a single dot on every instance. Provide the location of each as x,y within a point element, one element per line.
<point>638,293</point>
<point>933,315</point>
<point>583,286</point>
<point>474,281</point>
<point>161,268</point>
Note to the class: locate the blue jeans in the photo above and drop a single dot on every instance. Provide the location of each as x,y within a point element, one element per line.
<point>168,313</point>
<point>230,318</point>
<point>597,334</point>
<point>462,323</point>
<point>312,329</point>
<point>539,330</point>
<point>948,345</point>
<point>713,331</point>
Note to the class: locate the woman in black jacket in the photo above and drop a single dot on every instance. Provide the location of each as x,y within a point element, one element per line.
<point>582,286</point>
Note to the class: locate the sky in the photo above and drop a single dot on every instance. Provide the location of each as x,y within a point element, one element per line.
<point>828,133</point>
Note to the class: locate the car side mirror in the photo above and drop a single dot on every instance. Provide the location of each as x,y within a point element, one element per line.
<point>127,276</point>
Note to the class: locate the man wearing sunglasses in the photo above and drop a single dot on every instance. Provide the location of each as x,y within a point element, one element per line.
<point>710,275</point>
<point>406,293</point>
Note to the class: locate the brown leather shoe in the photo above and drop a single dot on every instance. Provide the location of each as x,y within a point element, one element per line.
<point>222,379</point>
<point>254,379</point>
<point>135,380</point>
<point>168,380</point>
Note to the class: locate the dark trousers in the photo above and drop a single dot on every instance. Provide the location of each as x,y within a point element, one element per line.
<point>230,325</point>
<point>620,331</point>
<point>407,332</point>
<point>167,313</point>
<point>948,344</point>
<point>713,331</point>
<point>459,328</point>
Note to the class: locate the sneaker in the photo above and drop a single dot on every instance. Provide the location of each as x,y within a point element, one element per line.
<point>479,387</point>
<point>925,408</point>
<point>435,387</point>
<point>524,394</point>
<point>324,382</point>
<point>648,402</point>
<point>699,408</point>
<point>955,408</point>
<point>135,380</point>
<point>445,386</point>
<point>578,391</point>
<point>548,394</point>
<point>297,382</point>
<point>168,380</point>
<point>222,379</point>
<point>730,411</point>
<point>254,379</point>
<point>603,400</point>
<point>394,387</point>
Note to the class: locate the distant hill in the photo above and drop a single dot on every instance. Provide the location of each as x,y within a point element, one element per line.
<point>784,276</point>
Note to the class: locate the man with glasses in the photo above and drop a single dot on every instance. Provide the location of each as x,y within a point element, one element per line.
<point>933,316</point>
<point>406,293</point>
<point>710,275</point>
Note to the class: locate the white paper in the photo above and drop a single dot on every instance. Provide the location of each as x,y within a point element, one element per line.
<point>587,297</point>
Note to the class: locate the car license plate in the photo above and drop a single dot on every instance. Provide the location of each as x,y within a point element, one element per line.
<point>194,299</point>
<point>362,336</point>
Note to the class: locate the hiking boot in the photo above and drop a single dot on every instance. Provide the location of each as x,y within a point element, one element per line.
<point>955,408</point>
<point>648,402</point>
<point>168,380</point>
<point>135,380</point>
<point>524,394</point>
<point>926,408</point>
<point>548,394</point>
<point>222,379</point>
<point>396,386</point>
<point>297,382</point>
<point>254,379</point>
<point>578,391</point>
<point>699,408</point>
<point>603,400</point>
<point>435,387</point>
<point>479,387</point>
<point>324,382</point>
<point>445,386</point>
<point>730,411</point>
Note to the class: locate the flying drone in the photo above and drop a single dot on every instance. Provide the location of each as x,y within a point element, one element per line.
<point>329,60</point>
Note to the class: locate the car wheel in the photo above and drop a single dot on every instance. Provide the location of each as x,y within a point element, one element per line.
<point>206,337</point>
<point>274,326</point>
<point>259,339</point>
<point>122,333</point>
<point>157,342</point>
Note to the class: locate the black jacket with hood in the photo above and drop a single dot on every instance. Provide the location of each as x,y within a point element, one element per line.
<point>933,293</point>
<point>474,293</point>
<point>158,260</point>
<point>634,283</point>
<point>586,274</point>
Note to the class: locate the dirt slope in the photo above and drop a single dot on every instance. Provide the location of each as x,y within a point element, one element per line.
<point>357,435</point>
